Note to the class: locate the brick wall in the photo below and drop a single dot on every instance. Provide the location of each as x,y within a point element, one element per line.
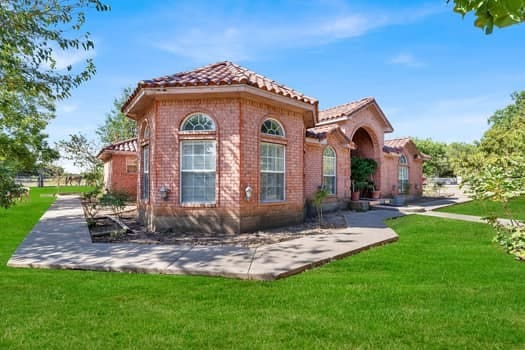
<point>238,121</point>
<point>120,179</point>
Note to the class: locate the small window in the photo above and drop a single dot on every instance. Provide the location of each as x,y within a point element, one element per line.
<point>198,122</point>
<point>403,174</point>
<point>145,172</point>
<point>131,165</point>
<point>198,163</point>
<point>272,127</point>
<point>272,172</point>
<point>145,132</point>
<point>329,170</point>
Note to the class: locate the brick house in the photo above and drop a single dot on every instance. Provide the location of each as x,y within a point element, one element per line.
<point>120,166</point>
<point>222,148</point>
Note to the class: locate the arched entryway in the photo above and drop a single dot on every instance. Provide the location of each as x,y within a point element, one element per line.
<point>367,146</point>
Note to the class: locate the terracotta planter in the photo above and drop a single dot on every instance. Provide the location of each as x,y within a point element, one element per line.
<point>375,194</point>
<point>355,196</point>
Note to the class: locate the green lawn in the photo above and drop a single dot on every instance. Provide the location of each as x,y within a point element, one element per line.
<point>442,285</point>
<point>489,208</point>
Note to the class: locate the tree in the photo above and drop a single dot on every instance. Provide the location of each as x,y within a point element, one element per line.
<point>490,13</point>
<point>460,156</point>
<point>117,126</point>
<point>83,153</point>
<point>438,165</point>
<point>32,35</point>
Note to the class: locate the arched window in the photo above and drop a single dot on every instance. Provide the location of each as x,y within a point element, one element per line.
<point>198,162</point>
<point>198,122</point>
<point>329,170</point>
<point>145,162</point>
<point>272,164</point>
<point>272,127</point>
<point>403,174</point>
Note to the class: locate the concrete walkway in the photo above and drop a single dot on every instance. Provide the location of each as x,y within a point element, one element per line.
<point>61,240</point>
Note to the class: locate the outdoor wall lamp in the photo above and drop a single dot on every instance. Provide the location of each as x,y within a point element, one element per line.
<point>248,190</point>
<point>164,192</point>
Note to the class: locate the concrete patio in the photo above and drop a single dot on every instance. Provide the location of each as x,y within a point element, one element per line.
<point>61,240</point>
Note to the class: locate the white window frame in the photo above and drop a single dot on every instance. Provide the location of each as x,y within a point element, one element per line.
<point>130,160</point>
<point>403,175</point>
<point>181,171</point>
<point>145,189</point>
<point>272,172</point>
<point>334,175</point>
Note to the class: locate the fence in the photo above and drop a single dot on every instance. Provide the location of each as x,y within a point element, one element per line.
<point>37,181</point>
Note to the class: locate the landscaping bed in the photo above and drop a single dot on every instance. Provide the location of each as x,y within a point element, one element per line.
<point>105,228</point>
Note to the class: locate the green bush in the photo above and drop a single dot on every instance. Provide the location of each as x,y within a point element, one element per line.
<point>10,191</point>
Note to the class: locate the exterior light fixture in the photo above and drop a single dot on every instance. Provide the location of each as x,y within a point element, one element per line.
<point>248,190</point>
<point>164,192</point>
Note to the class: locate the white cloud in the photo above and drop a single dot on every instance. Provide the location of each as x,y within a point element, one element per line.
<point>65,58</point>
<point>215,38</point>
<point>406,59</point>
<point>67,108</point>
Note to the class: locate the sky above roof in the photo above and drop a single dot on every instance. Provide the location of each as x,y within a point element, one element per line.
<point>433,73</point>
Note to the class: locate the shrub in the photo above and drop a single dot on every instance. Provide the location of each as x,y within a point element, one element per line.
<point>10,191</point>
<point>115,200</point>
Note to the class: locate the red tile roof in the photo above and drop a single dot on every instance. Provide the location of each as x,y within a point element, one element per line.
<point>397,146</point>
<point>129,145</point>
<point>221,73</point>
<point>322,132</point>
<point>344,110</point>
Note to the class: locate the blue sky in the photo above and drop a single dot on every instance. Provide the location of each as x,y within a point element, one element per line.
<point>433,73</point>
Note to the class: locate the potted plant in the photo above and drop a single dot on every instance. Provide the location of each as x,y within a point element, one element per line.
<point>374,194</point>
<point>362,170</point>
<point>355,195</point>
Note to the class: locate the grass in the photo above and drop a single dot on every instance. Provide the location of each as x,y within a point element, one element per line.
<point>442,285</point>
<point>489,208</point>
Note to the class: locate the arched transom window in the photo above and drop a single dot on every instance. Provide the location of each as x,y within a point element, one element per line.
<point>403,174</point>
<point>272,127</point>
<point>198,122</point>
<point>329,167</point>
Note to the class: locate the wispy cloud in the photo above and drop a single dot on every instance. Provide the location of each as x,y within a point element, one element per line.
<point>406,59</point>
<point>66,58</point>
<point>67,108</point>
<point>250,37</point>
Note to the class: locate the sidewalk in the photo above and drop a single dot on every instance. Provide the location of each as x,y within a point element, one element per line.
<point>61,240</point>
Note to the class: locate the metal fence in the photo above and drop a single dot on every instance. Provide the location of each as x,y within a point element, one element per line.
<point>40,181</point>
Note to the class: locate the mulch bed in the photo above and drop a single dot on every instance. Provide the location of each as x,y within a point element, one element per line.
<point>105,230</point>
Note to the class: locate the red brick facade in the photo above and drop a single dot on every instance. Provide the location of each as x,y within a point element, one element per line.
<point>238,112</point>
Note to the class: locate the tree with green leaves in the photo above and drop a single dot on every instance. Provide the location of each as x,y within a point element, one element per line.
<point>83,152</point>
<point>490,13</point>
<point>33,34</point>
<point>438,165</point>
<point>117,126</point>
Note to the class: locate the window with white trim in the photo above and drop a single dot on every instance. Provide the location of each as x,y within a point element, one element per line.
<point>403,174</point>
<point>145,172</point>
<point>329,170</point>
<point>198,168</point>
<point>272,172</point>
<point>131,165</point>
<point>198,122</point>
<point>145,181</point>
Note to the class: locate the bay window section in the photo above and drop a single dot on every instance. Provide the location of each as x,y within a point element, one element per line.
<point>198,168</point>
<point>272,172</point>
